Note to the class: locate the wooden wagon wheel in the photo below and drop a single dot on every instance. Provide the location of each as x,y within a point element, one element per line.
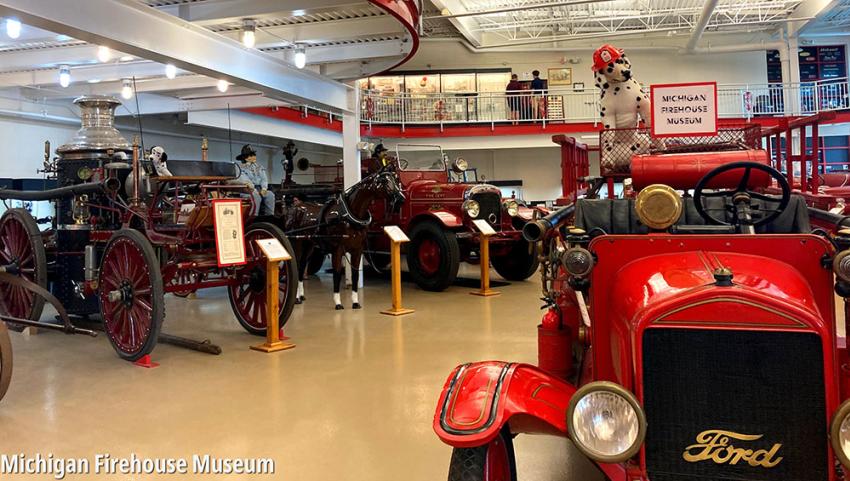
<point>22,253</point>
<point>248,294</point>
<point>131,294</point>
<point>5,360</point>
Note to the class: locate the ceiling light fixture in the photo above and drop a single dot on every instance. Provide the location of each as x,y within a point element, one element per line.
<point>104,54</point>
<point>170,71</point>
<point>300,57</point>
<point>64,76</point>
<point>222,86</point>
<point>249,28</point>
<point>126,89</point>
<point>126,58</point>
<point>13,28</point>
<point>93,81</point>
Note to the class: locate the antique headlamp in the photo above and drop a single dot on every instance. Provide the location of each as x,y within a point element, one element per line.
<point>605,422</point>
<point>472,208</point>
<point>841,265</point>
<point>839,433</point>
<point>460,165</point>
<point>658,206</point>
<point>578,261</point>
<point>511,207</point>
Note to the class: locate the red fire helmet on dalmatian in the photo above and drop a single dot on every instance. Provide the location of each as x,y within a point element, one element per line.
<point>605,55</point>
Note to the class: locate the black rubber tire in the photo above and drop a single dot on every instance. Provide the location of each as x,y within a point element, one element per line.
<point>519,263</point>
<point>290,267</point>
<point>5,360</point>
<point>315,262</point>
<point>23,217</point>
<point>157,293</point>
<point>449,262</point>
<point>468,464</point>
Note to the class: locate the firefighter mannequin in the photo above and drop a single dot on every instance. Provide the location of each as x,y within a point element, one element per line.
<point>289,152</point>
<point>255,176</point>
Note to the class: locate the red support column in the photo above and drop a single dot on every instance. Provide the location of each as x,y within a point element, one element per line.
<point>804,169</point>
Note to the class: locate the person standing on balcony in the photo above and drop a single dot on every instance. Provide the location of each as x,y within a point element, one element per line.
<point>512,94</point>
<point>538,86</point>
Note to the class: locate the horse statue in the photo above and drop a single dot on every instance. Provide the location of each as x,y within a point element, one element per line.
<point>339,227</point>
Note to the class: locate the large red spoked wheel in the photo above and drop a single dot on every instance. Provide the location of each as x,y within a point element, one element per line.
<point>248,293</point>
<point>492,462</point>
<point>433,256</point>
<point>131,294</point>
<point>5,360</point>
<point>22,253</point>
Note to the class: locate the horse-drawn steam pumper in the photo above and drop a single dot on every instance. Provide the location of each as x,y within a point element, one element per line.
<point>122,237</point>
<point>690,333</point>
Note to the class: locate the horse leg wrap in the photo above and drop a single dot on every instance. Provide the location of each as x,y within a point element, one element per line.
<point>338,301</point>
<point>355,300</point>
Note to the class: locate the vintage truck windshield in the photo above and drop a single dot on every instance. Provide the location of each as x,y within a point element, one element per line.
<point>424,157</point>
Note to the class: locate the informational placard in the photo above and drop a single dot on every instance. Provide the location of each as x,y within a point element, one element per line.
<point>484,227</point>
<point>273,249</point>
<point>396,234</point>
<point>229,235</point>
<point>684,110</point>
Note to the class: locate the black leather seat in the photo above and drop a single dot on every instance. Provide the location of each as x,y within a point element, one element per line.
<point>618,216</point>
<point>202,168</point>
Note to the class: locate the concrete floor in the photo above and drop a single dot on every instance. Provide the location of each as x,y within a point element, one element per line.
<point>353,401</point>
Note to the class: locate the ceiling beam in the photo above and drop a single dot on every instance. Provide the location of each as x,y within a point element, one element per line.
<point>35,58</point>
<point>322,32</point>
<point>136,29</point>
<point>358,52</point>
<point>809,13</point>
<point>227,11</point>
<point>460,18</point>
<point>696,34</point>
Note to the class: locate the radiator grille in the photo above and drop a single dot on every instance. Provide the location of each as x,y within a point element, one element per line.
<point>491,207</point>
<point>752,383</point>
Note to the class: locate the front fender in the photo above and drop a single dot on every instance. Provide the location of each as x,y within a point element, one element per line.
<point>478,399</point>
<point>444,218</point>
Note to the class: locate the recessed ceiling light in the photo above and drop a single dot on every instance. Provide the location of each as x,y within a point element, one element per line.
<point>94,81</point>
<point>13,28</point>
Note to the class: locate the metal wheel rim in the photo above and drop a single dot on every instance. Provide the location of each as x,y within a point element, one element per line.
<point>429,256</point>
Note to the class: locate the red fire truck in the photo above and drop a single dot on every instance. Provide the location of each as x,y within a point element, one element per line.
<point>690,333</point>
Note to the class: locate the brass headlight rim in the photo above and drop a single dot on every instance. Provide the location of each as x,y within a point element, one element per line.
<point>467,203</point>
<point>836,263</point>
<point>625,394</point>
<point>835,429</point>
<point>591,263</point>
<point>652,191</point>
<point>511,204</point>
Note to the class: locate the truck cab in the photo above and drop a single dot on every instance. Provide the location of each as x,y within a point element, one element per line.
<point>690,333</point>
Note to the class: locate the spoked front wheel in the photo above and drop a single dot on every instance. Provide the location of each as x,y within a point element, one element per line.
<point>492,462</point>
<point>248,293</point>
<point>5,360</point>
<point>131,294</point>
<point>22,254</point>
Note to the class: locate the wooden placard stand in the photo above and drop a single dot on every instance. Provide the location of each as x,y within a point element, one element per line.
<point>485,232</point>
<point>275,253</point>
<point>397,238</point>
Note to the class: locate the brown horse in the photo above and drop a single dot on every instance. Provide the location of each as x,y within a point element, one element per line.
<point>339,227</point>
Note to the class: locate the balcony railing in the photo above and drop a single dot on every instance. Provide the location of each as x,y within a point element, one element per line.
<point>562,105</point>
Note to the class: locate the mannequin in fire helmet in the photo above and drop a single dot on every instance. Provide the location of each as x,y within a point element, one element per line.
<point>256,178</point>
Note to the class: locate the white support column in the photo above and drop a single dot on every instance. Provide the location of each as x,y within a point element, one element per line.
<point>794,74</point>
<point>350,152</point>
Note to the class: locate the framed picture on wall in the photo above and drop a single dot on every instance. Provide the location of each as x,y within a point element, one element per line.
<point>578,86</point>
<point>560,76</point>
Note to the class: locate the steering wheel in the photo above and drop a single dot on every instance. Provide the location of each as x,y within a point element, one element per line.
<point>402,164</point>
<point>740,197</point>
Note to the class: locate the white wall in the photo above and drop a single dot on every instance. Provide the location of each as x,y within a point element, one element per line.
<point>22,145</point>
<point>662,66</point>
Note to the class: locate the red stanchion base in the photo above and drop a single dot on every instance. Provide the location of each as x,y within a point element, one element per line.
<point>146,362</point>
<point>283,337</point>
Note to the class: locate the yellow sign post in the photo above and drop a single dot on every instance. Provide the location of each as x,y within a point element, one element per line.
<point>397,238</point>
<point>275,254</point>
<point>485,230</point>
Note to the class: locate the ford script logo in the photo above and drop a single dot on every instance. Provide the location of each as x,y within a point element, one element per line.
<point>716,445</point>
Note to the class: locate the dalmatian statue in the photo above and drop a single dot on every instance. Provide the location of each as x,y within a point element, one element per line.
<point>622,103</point>
<point>159,158</point>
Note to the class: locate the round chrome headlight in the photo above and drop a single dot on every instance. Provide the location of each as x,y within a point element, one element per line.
<point>511,207</point>
<point>578,261</point>
<point>460,165</point>
<point>839,433</point>
<point>605,422</point>
<point>472,208</point>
